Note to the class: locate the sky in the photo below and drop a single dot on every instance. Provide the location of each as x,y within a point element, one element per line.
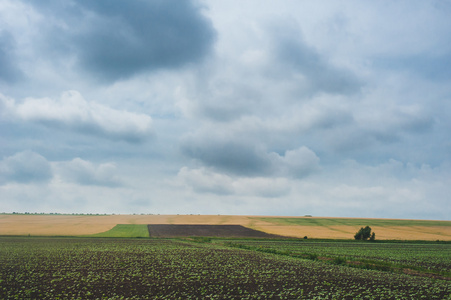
<point>290,108</point>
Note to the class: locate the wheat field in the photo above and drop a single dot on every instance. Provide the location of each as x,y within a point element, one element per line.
<point>298,227</point>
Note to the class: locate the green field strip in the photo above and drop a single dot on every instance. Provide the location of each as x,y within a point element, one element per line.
<point>422,229</point>
<point>327,222</point>
<point>125,231</point>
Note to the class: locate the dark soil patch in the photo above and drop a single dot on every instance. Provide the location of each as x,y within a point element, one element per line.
<point>164,230</point>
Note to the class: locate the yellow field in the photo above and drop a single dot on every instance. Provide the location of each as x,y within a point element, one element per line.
<point>73,225</point>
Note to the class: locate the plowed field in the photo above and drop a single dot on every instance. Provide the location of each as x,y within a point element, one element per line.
<point>164,230</point>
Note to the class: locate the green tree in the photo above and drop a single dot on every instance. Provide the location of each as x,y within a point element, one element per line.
<point>365,234</point>
<point>373,237</point>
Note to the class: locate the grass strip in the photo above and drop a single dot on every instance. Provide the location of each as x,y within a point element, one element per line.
<point>351,222</point>
<point>125,231</point>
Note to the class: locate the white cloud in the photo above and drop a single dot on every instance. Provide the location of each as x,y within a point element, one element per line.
<point>299,162</point>
<point>73,112</point>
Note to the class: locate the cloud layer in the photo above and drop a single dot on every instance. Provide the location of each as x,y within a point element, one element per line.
<point>203,106</point>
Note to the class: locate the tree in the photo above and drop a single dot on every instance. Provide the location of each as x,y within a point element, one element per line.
<point>373,237</point>
<point>365,234</point>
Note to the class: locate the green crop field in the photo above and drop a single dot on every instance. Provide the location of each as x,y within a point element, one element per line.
<point>125,231</point>
<point>351,222</point>
<point>125,263</point>
<point>112,268</point>
<point>427,257</point>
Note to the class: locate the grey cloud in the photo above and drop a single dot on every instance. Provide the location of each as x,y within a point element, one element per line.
<point>225,102</point>
<point>414,119</point>
<point>203,181</point>
<point>6,105</point>
<point>323,113</point>
<point>278,77</point>
<point>219,95</point>
<point>118,39</point>
<point>392,123</point>
<point>301,60</point>
<point>373,130</point>
<point>9,71</point>
<point>207,181</point>
<point>267,189</point>
<point>25,167</point>
<point>86,173</point>
<point>229,156</point>
<point>431,67</point>
<point>247,159</point>
<point>299,163</point>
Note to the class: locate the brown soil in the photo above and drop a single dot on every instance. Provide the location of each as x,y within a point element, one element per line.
<point>165,230</point>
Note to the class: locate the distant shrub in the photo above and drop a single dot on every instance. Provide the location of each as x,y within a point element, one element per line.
<point>365,234</point>
<point>373,236</point>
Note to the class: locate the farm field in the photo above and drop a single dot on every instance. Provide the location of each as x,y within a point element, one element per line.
<point>169,230</point>
<point>125,230</point>
<point>298,227</point>
<point>429,259</point>
<point>110,268</point>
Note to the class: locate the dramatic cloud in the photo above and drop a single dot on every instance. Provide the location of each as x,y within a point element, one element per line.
<point>73,112</point>
<point>195,106</point>
<point>25,167</point>
<point>116,39</point>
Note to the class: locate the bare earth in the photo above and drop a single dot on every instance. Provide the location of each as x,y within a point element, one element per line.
<point>73,225</point>
<point>171,230</point>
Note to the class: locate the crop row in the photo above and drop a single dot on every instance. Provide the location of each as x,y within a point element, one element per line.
<point>45,268</point>
<point>429,257</point>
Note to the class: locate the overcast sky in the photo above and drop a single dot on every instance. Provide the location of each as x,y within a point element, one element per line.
<point>327,108</point>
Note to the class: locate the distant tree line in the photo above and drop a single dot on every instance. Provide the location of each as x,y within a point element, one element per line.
<point>65,214</point>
